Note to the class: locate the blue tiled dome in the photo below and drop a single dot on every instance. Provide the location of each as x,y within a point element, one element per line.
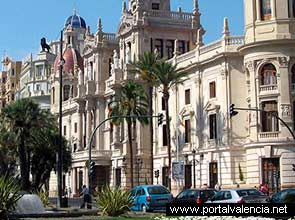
<point>75,21</point>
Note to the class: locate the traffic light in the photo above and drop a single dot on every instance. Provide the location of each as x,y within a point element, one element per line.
<point>92,168</point>
<point>293,165</point>
<point>157,173</point>
<point>160,118</point>
<point>232,111</point>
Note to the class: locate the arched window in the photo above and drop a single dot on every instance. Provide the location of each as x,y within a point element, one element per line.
<point>265,9</point>
<point>268,75</point>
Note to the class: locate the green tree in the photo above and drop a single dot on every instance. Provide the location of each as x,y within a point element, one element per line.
<point>31,133</point>
<point>145,68</point>
<point>167,76</point>
<point>130,101</point>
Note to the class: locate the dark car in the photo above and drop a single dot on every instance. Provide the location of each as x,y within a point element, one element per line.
<point>150,198</point>
<point>194,195</point>
<point>284,196</point>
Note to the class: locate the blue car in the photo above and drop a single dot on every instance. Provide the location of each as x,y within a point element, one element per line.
<point>150,198</point>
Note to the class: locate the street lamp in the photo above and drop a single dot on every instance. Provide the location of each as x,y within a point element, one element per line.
<point>60,156</point>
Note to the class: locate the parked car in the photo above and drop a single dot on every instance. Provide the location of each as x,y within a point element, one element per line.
<point>150,197</point>
<point>284,196</point>
<point>194,195</point>
<point>239,195</point>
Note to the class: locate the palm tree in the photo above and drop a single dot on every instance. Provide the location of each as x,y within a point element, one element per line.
<point>168,75</point>
<point>145,68</point>
<point>131,101</point>
<point>20,118</point>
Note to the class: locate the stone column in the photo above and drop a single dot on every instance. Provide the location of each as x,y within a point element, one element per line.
<point>284,105</point>
<point>254,86</point>
<point>80,128</point>
<point>88,121</point>
<point>74,181</point>
<point>273,9</point>
<point>258,11</point>
<point>86,180</point>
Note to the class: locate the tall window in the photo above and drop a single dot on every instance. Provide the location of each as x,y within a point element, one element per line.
<point>212,87</point>
<point>159,47</point>
<point>268,121</point>
<point>268,75</point>
<point>67,90</point>
<point>187,135</point>
<point>293,115</point>
<point>293,73</point>
<point>165,141</point>
<point>118,176</point>
<point>163,103</point>
<point>212,126</point>
<point>169,48</point>
<point>65,130</point>
<point>181,46</point>
<point>53,95</point>
<point>75,127</point>
<point>110,66</point>
<point>39,70</point>
<point>187,96</point>
<point>265,9</point>
<point>122,131</point>
<point>293,7</point>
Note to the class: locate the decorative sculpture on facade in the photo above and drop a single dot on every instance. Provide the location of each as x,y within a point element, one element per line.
<point>44,45</point>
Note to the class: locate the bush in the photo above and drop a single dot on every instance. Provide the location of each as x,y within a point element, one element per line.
<point>114,202</point>
<point>44,198</point>
<point>8,195</point>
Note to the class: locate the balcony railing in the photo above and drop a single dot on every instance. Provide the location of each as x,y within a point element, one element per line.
<point>266,88</point>
<point>269,135</point>
<point>106,154</point>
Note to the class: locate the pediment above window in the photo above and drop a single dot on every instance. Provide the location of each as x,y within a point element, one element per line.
<point>186,112</point>
<point>212,107</point>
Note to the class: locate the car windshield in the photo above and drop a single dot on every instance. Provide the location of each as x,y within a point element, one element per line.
<point>249,192</point>
<point>158,190</point>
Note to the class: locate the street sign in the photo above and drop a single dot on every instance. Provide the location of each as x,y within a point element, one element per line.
<point>178,170</point>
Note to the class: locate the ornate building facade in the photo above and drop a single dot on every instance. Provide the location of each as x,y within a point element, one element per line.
<point>10,75</point>
<point>34,79</point>
<point>254,71</point>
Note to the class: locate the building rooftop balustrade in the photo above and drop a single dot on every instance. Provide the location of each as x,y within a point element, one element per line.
<point>110,36</point>
<point>175,16</point>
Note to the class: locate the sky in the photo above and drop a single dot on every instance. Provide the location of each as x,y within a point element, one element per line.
<point>24,22</point>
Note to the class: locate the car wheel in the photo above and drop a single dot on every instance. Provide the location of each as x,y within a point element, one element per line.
<point>143,208</point>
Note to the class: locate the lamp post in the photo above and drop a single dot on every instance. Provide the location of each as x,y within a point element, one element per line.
<point>194,166</point>
<point>59,157</point>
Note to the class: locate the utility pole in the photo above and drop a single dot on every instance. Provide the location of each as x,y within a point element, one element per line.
<point>60,153</point>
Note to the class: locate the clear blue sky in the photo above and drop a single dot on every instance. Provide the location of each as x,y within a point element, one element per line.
<point>24,22</point>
